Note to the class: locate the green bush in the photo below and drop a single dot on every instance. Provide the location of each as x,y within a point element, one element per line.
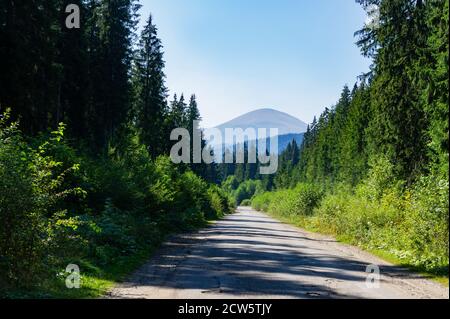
<point>300,200</point>
<point>408,223</point>
<point>261,202</point>
<point>219,202</point>
<point>61,206</point>
<point>412,226</point>
<point>31,191</point>
<point>243,191</point>
<point>429,223</point>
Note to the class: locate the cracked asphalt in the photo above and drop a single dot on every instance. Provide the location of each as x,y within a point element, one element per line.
<point>251,255</point>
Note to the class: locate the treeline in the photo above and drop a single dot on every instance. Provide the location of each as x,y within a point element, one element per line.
<point>103,80</point>
<point>98,191</point>
<point>400,111</point>
<point>373,169</point>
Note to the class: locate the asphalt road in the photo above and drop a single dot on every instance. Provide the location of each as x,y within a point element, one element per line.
<point>250,255</point>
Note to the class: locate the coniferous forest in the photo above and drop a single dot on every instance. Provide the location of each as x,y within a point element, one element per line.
<point>373,168</point>
<point>85,173</point>
<point>85,176</point>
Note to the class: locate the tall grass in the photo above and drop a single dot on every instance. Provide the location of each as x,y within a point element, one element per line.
<point>408,223</point>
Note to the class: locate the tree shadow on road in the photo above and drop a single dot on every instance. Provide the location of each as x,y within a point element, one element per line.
<point>235,259</point>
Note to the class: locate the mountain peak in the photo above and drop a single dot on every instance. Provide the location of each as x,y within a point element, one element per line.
<point>267,118</point>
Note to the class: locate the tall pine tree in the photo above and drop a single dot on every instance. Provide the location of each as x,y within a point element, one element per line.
<point>150,91</point>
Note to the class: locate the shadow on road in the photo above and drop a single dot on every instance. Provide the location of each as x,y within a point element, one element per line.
<point>245,255</point>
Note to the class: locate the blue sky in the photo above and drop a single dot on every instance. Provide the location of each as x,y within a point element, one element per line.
<point>241,55</point>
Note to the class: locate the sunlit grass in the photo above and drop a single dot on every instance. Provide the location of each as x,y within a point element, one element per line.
<point>94,283</point>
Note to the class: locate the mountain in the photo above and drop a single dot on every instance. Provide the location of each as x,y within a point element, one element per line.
<point>267,118</point>
<point>289,127</point>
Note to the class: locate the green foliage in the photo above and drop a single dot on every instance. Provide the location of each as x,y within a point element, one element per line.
<point>240,192</point>
<point>219,201</point>
<point>230,184</point>
<point>399,111</point>
<point>300,200</point>
<point>379,179</point>
<point>428,221</point>
<point>150,106</point>
<point>111,193</point>
<point>246,202</point>
<point>262,201</point>
<point>31,191</point>
<point>288,159</point>
<point>57,207</point>
<point>381,153</point>
<point>413,225</point>
<point>410,224</point>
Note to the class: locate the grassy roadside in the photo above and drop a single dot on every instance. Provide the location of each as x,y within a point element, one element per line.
<point>95,281</point>
<point>307,224</point>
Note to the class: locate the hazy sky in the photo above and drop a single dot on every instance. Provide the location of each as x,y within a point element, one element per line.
<point>241,55</point>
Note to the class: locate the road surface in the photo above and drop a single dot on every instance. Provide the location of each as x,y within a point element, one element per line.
<point>250,255</point>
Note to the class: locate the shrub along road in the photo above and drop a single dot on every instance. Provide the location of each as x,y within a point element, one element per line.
<point>250,255</point>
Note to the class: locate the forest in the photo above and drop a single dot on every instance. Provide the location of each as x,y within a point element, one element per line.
<point>85,173</point>
<point>373,168</point>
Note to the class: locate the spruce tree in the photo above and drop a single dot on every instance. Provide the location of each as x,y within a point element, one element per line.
<point>150,91</point>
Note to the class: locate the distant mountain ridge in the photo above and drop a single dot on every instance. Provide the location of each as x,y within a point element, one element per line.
<point>266,118</point>
<point>289,127</point>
